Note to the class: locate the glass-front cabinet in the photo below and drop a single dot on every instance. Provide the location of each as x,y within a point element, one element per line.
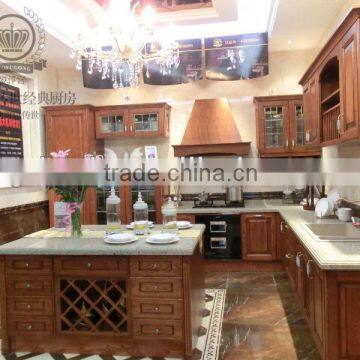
<point>112,122</point>
<point>145,120</point>
<point>280,127</point>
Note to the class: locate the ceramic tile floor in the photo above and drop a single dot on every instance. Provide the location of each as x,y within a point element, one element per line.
<point>262,318</point>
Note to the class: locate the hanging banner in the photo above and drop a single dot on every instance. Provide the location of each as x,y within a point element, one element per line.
<point>237,57</point>
<point>187,69</point>
<point>103,79</point>
<point>11,139</point>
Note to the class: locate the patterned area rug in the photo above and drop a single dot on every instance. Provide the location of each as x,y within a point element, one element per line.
<point>208,344</point>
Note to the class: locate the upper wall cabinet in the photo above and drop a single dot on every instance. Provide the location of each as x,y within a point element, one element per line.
<point>146,120</point>
<point>331,88</point>
<point>281,127</point>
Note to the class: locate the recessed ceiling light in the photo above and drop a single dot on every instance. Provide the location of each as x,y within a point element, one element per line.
<point>290,41</point>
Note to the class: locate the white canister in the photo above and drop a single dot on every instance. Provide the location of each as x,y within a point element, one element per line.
<point>344,214</point>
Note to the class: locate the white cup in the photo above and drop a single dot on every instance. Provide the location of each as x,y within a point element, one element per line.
<point>344,214</point>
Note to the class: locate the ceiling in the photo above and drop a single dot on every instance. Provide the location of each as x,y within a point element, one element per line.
<point>292,24</point>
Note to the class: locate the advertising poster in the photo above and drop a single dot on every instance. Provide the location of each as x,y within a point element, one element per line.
<point>186,70</point>
<point>103,79</point>
<point>11,139</point>
<point>237,57</point>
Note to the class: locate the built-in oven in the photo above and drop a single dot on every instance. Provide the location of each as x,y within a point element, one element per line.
<point>222,237</point>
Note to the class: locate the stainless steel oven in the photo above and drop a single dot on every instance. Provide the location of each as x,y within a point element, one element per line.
<point>222,237</point>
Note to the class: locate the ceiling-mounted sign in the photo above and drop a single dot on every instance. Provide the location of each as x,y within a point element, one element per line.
<point>188,68</point>
<point>237,57</point>
<point>11,139</point>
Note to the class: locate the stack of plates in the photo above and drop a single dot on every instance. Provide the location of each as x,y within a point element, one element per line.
<point>324,208</point>
<point>184,225</point>
<point>162,239</point>
<point>131,225</point>
<point>119,239</point>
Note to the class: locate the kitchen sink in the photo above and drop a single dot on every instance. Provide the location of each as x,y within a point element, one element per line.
<point>334,232</point>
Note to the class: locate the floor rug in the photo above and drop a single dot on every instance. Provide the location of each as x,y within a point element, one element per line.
<point>208,344</point>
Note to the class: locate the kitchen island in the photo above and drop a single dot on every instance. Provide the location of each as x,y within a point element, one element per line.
<point>66,295</point>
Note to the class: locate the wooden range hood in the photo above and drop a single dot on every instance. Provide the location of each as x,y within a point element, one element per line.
<point>211,131</point>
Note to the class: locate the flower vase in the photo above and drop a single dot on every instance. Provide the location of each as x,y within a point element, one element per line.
<point>74,210</point>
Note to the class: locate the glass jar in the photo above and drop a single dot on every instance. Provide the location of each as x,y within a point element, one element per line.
<point>141,216</point>
<point>169,213</point>
<point>112,212</point>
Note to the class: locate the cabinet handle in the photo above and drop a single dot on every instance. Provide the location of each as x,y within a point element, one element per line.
<point>308,269</point>
<point>282,226</point>
<point>298,259</point>
<point>28,306</point>
<point>289,256</point>
<point>89,265</point>
<point>156,308</point>
<point>157,331</point>
<point>154,267</point>
<point>293,143</point>
<point>156,288</point>
<point>27,285</point>
<point>131,128</point>
<point>125,128</point>
<point>338,124</point>
<point>287,142</point>
<point>29,327</point>
<point>27,265</point>
<point>258,215</point>
<point>307,136</point>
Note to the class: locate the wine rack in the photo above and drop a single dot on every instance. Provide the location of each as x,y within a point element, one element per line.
<point>93,306</point>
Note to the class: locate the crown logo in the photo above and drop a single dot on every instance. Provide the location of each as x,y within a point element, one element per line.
<point>13,40</point>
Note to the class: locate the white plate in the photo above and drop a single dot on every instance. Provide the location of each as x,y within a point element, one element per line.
<point>120,239</point>
<point>323,208</point>
<point>131,225</point>
<point>184,225</point>
<point>162,239</point>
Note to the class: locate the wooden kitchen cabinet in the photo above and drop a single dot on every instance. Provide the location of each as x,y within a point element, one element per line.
<point>349,83</point>
<point>73,127</point>
<point>281,127</point>
<point>331,87</point>
<point>258,236</point>
<point>140,120</point>
<point>102,304</point>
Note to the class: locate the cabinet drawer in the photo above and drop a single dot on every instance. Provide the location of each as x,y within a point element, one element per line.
<point>22,325</point>
<point>29,306</point>
<point>157,309</point>
<point>91,264</point>
<point>23,285</point>
<point>155,266</point>
<point>161,329</point>
<point>24,264</point>
<point>156,288</point>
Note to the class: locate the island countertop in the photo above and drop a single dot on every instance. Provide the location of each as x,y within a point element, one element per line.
<point>53,242</point>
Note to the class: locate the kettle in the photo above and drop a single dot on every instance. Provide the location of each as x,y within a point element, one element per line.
<point>234,193</point>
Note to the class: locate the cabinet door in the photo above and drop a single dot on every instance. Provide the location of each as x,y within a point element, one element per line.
<point>65,130</point>
<point>273,127</point>
<point>259,236</point>
<point>308,302</point>
<point>148,122</point>
<point>349,84</point>
<point>112,123</point>
<point>290,258</point>
<point>311,112</point>
<point>297,128</point>
<point>318,303</point>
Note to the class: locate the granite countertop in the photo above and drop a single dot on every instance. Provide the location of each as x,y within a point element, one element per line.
<point>46,243</point>
<point>329,255</point>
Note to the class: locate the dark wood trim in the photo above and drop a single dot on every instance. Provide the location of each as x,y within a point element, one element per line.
<point>240,149</point>
<point>24,207</point>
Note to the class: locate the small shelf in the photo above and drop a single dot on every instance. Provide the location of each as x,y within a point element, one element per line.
<point>331,109</point>
<point>331,96</point>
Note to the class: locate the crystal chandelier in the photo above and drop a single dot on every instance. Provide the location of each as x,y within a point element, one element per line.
<point>123,43</point>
